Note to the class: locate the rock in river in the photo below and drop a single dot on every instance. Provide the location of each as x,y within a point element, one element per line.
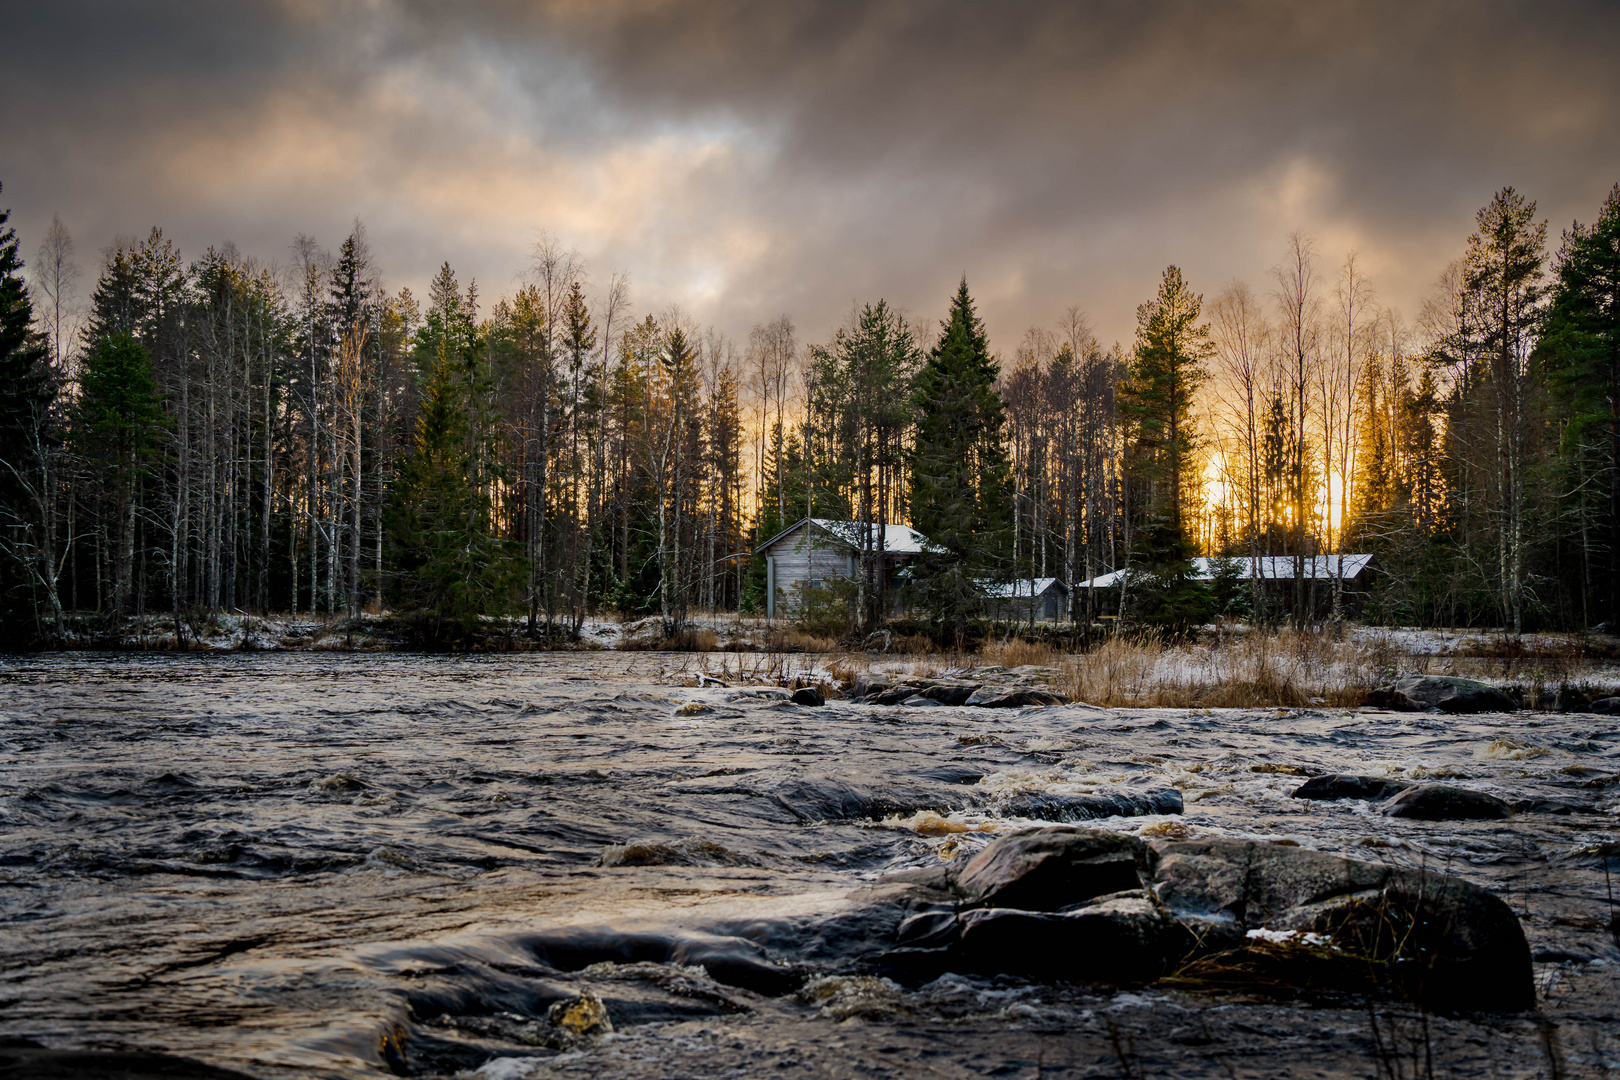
<point>1343,786</point>
<point>1050,806</point>
<point>1048,869</point>
<point>1442,802</point>
<point>1068,903</point>
<point>808,695</point>
<point>1415,693</point>
<point>1000,697</point>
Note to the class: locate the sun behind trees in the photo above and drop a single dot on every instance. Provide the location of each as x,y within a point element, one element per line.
<point>221,436</point>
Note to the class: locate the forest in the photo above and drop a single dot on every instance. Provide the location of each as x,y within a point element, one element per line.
<point>227,433</point>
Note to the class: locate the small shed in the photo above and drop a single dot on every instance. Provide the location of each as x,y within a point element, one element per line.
<point>1044,599</point>
<point>812,551</point>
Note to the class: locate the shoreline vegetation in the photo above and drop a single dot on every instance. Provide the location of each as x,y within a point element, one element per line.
<point>1228,665</point>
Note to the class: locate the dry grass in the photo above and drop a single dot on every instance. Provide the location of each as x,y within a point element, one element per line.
<point>799,641</point>
<point>1016,652</point>
<point>1288,668</point>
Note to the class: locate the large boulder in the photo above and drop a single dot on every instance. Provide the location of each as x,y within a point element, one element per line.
<point>1048,869</point>
<point>1442,802</point>
<point>1069,903</point>
<point>1417,693</point>
<point>1120,939</point>
<point>1426,936</point>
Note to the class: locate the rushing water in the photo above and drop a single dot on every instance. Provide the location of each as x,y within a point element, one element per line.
<point>339,865</point>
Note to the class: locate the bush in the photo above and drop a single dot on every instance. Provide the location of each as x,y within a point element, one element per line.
<point>825,609</point>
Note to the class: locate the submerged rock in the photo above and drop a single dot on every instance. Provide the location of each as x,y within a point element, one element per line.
<point>1442,802</point>
<point>24,1058</point>
<point>992,688</point>
<point>998,697</point>
<point>1048,806</point>
<point>1343,786</point>
<point>729,960</point>
<point>1415,693</point>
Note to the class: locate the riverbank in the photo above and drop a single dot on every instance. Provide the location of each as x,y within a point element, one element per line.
<point>1221,667</point>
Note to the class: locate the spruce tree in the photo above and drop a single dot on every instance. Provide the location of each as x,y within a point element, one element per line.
<point>118,419</point>
<point>26,391</point>
<point>1166,371</point>
<point>1581,350</point>
<point>960,483</point>
<point>450,565</point>
<point>25,384</point>
<point>1156,401</point>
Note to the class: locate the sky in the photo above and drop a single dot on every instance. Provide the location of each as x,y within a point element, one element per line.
<point>747,160</point>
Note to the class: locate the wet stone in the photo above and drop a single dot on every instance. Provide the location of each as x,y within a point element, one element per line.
<point>1442,802</point>
<point>1343,786</point>
<point>580,1016</point>
<point>808,695</point>
<point>1047,806</point>
<point>1119,940</point>
<point>23,1058</point>
<point>1048,869</point>
<point>1071,904</point>
<point>992,697</point>
<point>1414,693</point>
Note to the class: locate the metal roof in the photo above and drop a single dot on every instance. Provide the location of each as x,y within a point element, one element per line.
<point>897,539</point>
<point>1271,568</point>
<point>1020,589</point>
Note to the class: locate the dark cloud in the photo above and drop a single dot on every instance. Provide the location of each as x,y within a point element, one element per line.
<point>745,159</point>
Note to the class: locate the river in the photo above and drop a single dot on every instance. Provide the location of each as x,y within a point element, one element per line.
<point>349,865</point>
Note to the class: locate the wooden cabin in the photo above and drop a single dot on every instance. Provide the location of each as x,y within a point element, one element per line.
<point>1028,600</point>
<point>812,551</point>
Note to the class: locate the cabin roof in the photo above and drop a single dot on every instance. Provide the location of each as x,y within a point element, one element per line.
<point>1021,589</point>
<point>1271,568</point>
<point>897,539</point>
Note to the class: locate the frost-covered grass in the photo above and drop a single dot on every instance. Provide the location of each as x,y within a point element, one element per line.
<point>1278,668</point>
<point>1230,666</point>
<point>1295,668</point>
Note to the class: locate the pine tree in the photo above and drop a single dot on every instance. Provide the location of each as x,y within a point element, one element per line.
<point>960,483</point>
